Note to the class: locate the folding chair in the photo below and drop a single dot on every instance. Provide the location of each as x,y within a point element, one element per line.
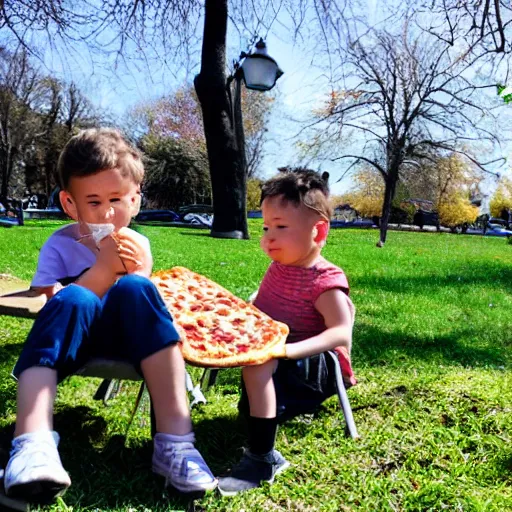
<point>27,304</point>
<point>344,380</point>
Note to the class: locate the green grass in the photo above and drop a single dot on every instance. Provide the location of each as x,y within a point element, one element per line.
<point>432,352</point>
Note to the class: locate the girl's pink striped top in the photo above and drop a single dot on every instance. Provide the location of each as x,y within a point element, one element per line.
<point>288,294</point>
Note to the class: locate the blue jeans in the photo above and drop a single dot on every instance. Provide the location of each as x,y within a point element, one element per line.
<point>130,323</point>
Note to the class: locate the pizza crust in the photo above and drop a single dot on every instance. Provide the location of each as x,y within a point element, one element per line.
<point>218,329</point>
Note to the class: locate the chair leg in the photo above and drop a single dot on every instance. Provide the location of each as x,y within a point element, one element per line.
<point>208,378</point>
<point>196,392</point>
<point>104,390</point>
<point>137,404</point>
<point>343,397</point>
<point>153,419</point>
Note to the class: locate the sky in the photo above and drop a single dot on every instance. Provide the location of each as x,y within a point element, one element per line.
<point>299,90</point>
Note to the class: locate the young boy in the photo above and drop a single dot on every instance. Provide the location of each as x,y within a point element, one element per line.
<point>103,313</point>
<point>301,289</point>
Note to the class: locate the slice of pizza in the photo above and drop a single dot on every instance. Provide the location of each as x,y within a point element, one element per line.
<point>217,328</point>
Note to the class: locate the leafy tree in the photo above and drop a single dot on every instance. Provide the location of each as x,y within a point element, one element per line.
<point>440,176</point>
<point>502,198</point>
<point>179,115</point>
<point>176,173</point>
<point>368,193</point>
<point>455,210</point>
<point>253,194</point>
<point>176,116</point>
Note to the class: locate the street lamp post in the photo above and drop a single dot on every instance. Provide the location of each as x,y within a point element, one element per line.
<point>259,72</point>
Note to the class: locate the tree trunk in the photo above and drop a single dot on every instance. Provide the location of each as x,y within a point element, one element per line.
<point>226,158</point>
<point>389,194</point>
<point>7,164</point>
<point>5,181</point>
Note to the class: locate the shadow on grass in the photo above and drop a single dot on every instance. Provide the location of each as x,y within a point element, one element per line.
<point>107,474</point>
<point>498,275</point>
<point>506,467</point>
<point>188,233</point>
<point>10,353</point>
<point>376,347</point>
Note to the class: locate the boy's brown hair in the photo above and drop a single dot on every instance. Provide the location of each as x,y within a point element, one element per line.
<point>99,149</point>
<point>302,186</point>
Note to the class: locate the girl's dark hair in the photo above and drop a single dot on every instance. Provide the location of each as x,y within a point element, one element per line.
<point>302,186</point>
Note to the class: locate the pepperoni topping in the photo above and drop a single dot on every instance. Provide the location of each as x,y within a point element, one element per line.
<point>215,324</point>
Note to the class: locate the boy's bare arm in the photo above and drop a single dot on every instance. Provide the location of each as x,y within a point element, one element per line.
<point>335,309</point>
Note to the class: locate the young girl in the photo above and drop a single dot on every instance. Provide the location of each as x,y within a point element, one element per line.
<point>301,289</point>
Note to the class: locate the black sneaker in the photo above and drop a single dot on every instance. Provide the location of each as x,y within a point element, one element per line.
<point>251,471</point>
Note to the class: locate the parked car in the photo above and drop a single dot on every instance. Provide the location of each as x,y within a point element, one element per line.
<point>157,215</point>
<point>195,208</point>
<point>358,223</point>
<point>497,230</point>
<point>425,218</point>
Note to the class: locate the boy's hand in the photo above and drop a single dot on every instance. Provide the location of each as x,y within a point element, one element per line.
<point>109,261</point>
<point>135,258</point>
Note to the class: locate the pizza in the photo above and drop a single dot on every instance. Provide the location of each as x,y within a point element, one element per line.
<point>218,329</point>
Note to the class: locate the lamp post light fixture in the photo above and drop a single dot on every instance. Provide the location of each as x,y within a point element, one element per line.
<point>260,71</point>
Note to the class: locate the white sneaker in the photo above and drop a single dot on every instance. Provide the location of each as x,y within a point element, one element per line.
<point>34,471</point>
<point>176,459</point>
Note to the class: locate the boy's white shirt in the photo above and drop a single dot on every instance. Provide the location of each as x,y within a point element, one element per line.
<point>63,256</point>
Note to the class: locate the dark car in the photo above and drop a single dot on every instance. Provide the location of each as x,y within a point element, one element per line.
<point>195,208</point>
<point>425,218</point>
<point>157,215</point>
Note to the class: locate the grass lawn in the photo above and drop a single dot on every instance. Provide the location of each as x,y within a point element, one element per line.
<point>432,352</point>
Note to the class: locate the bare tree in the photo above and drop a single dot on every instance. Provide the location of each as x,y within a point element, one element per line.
<point>60,108</point>
<point>167,32</point>
<point>482,22</point>
<point>18,89</point>
<point>37,114</point>
<point>401,92</point>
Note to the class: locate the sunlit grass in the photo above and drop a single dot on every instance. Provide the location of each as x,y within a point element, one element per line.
<point>432,353</point>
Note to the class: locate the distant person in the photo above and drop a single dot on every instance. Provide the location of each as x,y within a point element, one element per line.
<point>101,304</point>
<point>303,290</point>
<point>53,200</point>
<point>33,201</point>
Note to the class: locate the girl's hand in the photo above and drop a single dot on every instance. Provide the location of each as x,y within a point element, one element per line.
<point>279,351</point>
